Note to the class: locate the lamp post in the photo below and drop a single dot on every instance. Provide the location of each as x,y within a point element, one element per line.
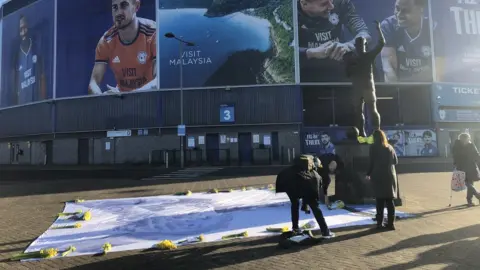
<point>181,43</point>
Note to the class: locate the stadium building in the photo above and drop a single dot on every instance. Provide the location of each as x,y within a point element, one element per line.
<point>250,83</point>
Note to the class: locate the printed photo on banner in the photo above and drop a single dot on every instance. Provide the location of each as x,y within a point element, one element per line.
<point>421,142</point>
<point>27,54</point>
<point>456,38</point>
<point>327,30</point>
<point>396,138</point>
<point>319,143</point>
<point>113,49</point>
<point>234,43</point>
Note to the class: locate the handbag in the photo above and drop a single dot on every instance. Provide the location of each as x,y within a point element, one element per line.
<point>458,181</point>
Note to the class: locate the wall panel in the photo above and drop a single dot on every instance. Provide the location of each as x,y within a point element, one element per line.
<point>108,112</point>
<point>26,120</point>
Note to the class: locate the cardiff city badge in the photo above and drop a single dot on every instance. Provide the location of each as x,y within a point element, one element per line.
<point>333,18</point>
<point>142,57</point>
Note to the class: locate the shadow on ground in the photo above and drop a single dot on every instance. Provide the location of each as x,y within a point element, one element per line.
<point>457,247</point>
<point>210,257</point>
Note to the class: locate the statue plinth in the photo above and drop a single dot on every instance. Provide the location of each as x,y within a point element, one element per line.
<point>350,184</point>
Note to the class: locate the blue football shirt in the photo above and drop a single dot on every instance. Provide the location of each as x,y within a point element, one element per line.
<point>27,81</point>
<point>414,53</point>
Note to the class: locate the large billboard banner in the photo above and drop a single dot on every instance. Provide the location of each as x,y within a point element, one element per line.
<point>111,50</point>
<point>234,43</point>
<point>414,143</point>
<point>27,54</point>
<point>205,43</point>
<point>456,38</point>
<point>327,30</point>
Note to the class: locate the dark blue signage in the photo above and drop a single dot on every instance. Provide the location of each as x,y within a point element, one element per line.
<point>227,113</point>
<point>455,95</point>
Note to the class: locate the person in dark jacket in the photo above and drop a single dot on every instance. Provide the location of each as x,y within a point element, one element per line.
<point>383,175</point>
<point>301,181</point>
<point>466,159</point>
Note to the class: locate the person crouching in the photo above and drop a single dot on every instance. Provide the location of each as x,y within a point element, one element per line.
<point>301,181</point>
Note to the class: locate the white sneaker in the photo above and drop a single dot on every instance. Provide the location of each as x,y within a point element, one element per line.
<point>330,235</point>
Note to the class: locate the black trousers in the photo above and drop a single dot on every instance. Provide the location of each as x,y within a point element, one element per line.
<point>381,203</point>
<point>359,114</point>
<point>317,213</point>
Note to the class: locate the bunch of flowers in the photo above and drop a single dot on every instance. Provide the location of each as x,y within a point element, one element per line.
<point>166,245</point>
<point>107,247</point>
<point>199,238</point>
<point>236,235</point>
<point>185,193</point>
<point>41,254</point>
<point>74,226</point>
<point>281,230</point>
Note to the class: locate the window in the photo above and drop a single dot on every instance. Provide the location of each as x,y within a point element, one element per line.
<point>415,105</point>
<point>387,105</point>
<point>317,106</point>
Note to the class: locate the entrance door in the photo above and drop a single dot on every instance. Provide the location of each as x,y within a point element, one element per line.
<point>48,152</point>
<point>14,152</point>
<point>83,151</point>
<point>212,144</point>
<point>275,147</point>
<point>245,148</point>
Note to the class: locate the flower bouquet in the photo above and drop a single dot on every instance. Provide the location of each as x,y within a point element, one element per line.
<point>185,193</point>
<point>197,239</point>
<point>236,235</point>
<point>308,225</point>
<point>41,254</point>
<point>166,245</point>
<point>74,226</point>
<point>278,230</point>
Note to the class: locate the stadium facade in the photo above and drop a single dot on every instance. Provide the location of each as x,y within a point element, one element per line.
<point>258,83</point>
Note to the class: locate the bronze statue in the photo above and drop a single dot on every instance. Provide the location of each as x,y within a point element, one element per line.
<point>359,66</point>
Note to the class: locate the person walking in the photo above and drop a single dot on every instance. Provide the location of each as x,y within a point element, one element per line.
<point>466,159</point>
<point>383,176</point>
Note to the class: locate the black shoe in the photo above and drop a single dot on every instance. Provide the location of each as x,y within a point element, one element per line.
<point>391,223</point>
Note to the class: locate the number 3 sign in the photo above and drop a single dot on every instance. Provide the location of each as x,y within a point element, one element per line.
<point>227,114</point>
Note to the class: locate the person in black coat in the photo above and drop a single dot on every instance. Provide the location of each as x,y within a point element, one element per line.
<point>383,175</point>
<point>466,159</point>
<point>301,181</point>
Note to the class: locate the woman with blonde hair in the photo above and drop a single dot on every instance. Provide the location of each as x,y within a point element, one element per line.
<point>383,177</point>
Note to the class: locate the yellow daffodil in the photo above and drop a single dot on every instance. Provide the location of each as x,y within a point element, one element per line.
<point>244,189</point>
<point>166,245</point>
<point>201,238</point>
<point>213,190</point>
<point>79,201</point>
<point>87,216</point>
<point>106,248</point>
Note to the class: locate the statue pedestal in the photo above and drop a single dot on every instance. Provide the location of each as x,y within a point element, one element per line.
<point>350,184</point>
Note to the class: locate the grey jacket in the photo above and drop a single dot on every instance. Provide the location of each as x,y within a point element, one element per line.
<point>382,171</point>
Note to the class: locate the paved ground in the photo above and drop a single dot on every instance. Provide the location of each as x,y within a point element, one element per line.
<point>441,238</point>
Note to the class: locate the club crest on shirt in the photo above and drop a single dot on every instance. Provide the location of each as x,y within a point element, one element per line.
<point>34,58</point>
<point>142,57</point>
<point>333,18</point>
<point>442,114</point>
<point>426,51</point>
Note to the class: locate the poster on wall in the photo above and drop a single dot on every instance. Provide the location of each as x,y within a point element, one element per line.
<point>235,43</point>
<point>456,38</point>
<point>327,30</point>
<point>421,142</point>
<point>396,138</point>
<point>27,53</point>
<point>318,142</point>
<point>112,50</point>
